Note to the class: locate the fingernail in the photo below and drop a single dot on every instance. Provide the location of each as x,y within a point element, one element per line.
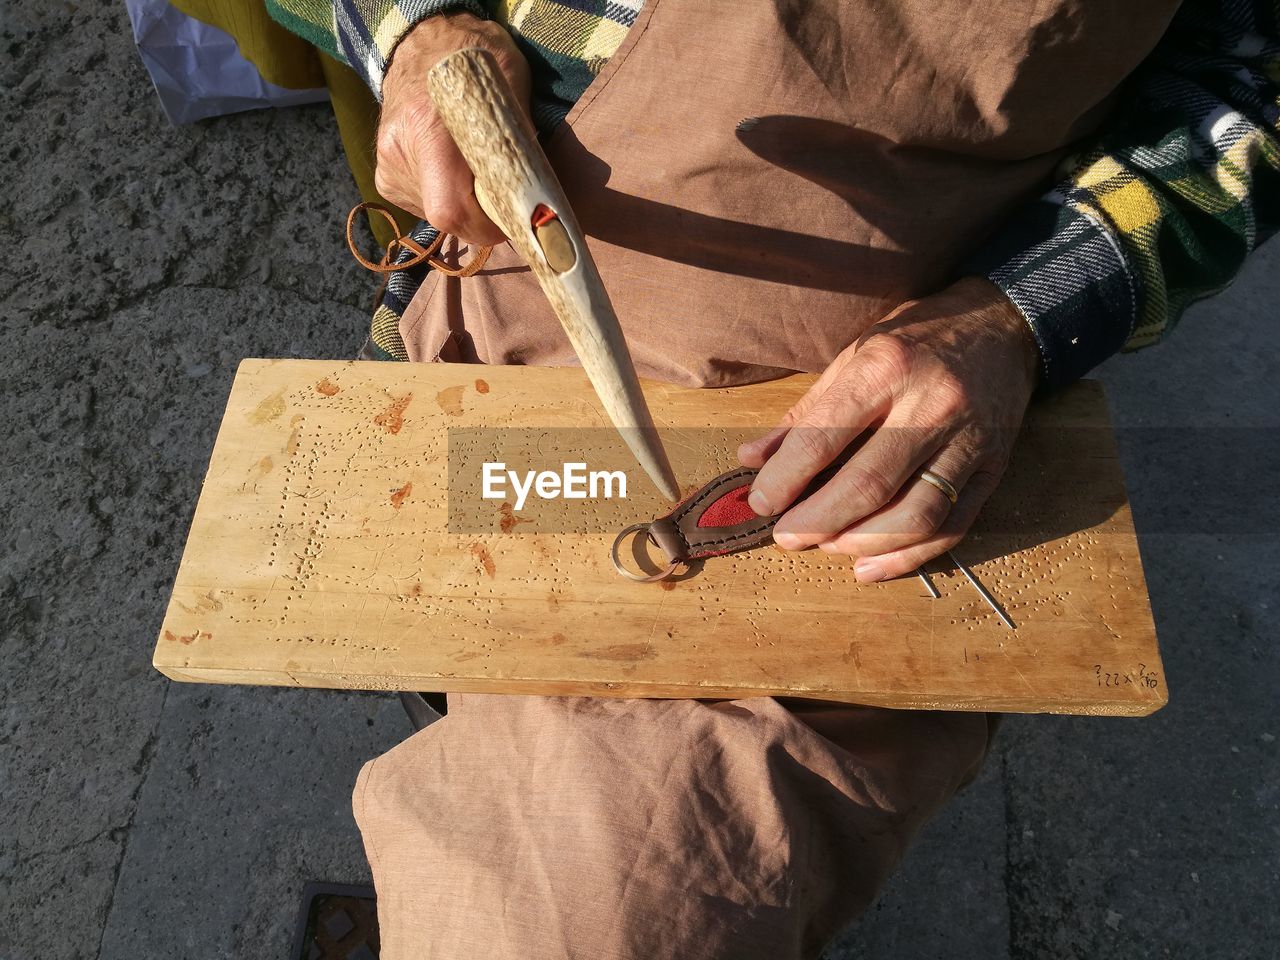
<point>787,541</point>
<point>868,571</point>
<point>759,504</point>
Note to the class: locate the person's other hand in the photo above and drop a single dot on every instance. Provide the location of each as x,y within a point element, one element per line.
<point>940,384</point>
<point>419,168</point>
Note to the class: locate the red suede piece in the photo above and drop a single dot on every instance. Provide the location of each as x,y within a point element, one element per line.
<point>542,215</point>
<point>729,510</point>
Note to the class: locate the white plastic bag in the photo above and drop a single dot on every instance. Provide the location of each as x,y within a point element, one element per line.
<point>197,69</point>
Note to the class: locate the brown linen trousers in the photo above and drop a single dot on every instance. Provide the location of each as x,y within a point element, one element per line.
<point>567,827</point>
<point>759,182</point>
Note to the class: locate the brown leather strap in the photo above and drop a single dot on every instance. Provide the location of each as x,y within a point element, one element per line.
<point>717,520</point>
<point>714,521</point>
<point>421,254</point>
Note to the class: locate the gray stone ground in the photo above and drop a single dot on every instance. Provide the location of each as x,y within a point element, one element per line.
<point>147,819</point>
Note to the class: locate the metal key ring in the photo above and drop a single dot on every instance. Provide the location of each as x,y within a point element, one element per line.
<point>617,562</point>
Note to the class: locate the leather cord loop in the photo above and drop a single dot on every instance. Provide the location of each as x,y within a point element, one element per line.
<point>421,254</point>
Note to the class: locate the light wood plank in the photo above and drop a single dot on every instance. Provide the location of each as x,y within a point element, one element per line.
<point>322,554</point>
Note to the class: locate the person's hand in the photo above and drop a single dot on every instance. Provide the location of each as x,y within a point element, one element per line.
<point>941,384</point>
<point>419,168</point>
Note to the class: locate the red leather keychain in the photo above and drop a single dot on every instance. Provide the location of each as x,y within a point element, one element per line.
<point>711,523</point>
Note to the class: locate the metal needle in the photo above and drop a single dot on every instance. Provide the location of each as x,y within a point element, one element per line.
<point>991,601</point>
<point>928,584</point>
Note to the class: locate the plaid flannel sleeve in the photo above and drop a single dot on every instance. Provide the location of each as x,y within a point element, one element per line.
<point>1163,209</point>
<point>362,33</point>
<point>368,30</point>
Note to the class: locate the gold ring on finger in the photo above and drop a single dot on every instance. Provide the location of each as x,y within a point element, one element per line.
<point>942,483</point>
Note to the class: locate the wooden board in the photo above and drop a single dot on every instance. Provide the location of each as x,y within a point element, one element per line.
<point>328,551</point>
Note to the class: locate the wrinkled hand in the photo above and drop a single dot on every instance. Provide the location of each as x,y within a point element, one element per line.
<point>940,384</point>
<point>419,168</point>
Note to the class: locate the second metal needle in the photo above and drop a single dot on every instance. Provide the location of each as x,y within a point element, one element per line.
<point>991,601</point>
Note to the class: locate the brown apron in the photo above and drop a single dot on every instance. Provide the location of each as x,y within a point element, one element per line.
<point>760,182</point>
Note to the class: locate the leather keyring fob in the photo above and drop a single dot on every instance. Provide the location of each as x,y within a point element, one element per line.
<point>713,522</point>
